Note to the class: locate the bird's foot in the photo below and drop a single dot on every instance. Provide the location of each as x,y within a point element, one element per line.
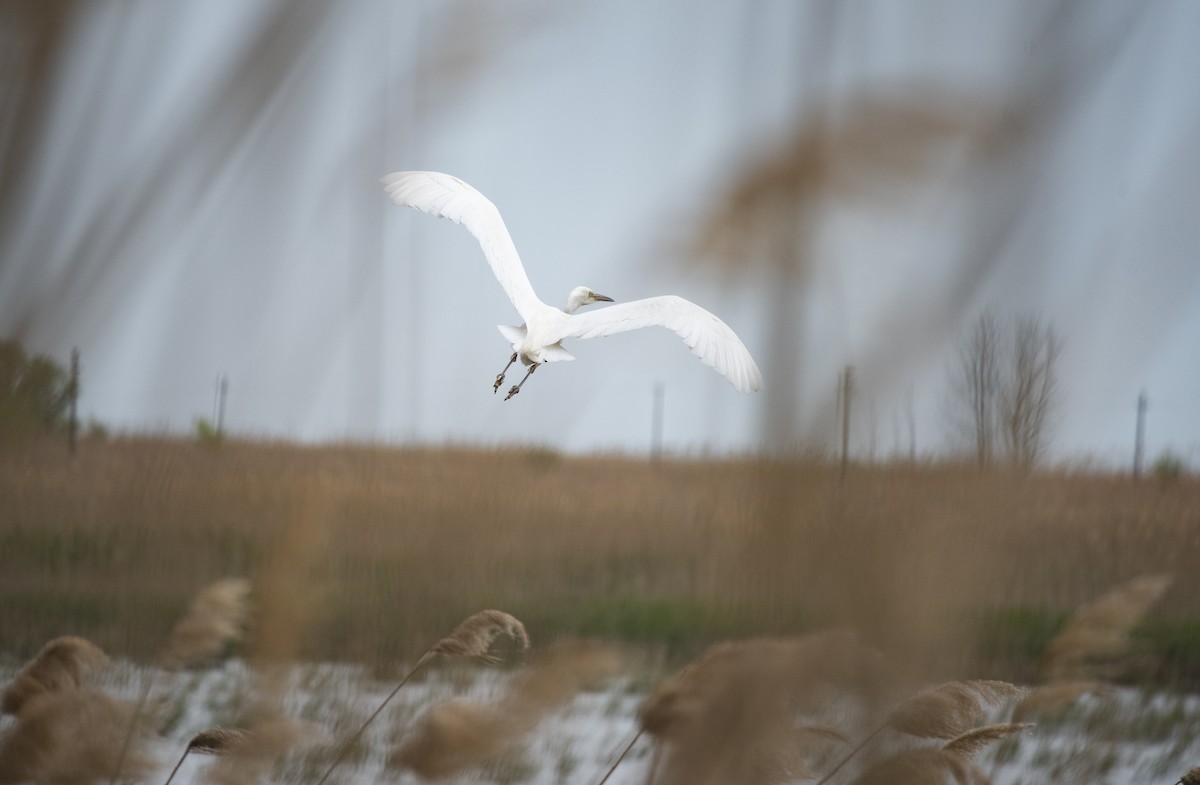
<point>500,376</point>
<point>516,388</point>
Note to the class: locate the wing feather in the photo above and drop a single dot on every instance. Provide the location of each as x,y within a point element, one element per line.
<point>708,337</point>
<point>445,196</point>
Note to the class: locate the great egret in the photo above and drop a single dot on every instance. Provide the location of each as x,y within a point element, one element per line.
<point>539,340</point>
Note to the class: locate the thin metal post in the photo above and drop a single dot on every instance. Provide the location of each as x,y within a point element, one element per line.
<point>656,423</point>
<point>219,404</point>
<point>73,391</point>
<point>1139,442</point>
<point>847,396</point>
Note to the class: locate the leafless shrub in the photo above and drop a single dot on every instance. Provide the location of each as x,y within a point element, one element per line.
<point>975,386</point>
<point>1097,633</point>
<point>1004,389</point>
<point>71,737</point>
<point>1031,393</point>
<point>62,664</point>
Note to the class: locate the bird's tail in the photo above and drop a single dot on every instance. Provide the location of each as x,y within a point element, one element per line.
<point>514,335</point>
<point>554,353</point>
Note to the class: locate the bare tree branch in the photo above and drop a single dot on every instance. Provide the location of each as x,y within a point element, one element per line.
<point>1004,393</point>
<point>1031,391</point>
<point>975,385</point>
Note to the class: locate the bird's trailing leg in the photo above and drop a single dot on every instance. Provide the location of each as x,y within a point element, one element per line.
<point>516,388</point>
<point>500,376</point>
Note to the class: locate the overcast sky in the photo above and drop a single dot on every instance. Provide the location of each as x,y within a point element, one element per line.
<point>197,196</point>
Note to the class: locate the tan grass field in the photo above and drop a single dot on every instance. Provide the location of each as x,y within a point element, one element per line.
<point>372,553</point>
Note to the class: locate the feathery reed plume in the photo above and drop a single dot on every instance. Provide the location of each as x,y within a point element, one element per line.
<point>458,735</point>
<point>1097,633</point>
<point>923,766</point>
<point>559,672</point>
<point>216,617</point>
<point>778,758</point>
<point>213,741</point>
<point>967,745</point>
<point>473,637</point>
<point>943,712</point>
<point>249,760</point>
<point>216,740</point>
<point>70,737</point>
<point>730,715</point>
<point>1191,778</point>
<point>950,709</point>
<point>952,762</point>
<point>668,707</point>
<point>1049,698</point>
<point>62,664</point>
<point>452,736</point>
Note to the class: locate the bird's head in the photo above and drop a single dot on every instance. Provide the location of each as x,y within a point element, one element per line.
<point>581,296</point>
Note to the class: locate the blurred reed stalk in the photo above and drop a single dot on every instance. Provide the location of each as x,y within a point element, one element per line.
<point>216,618</point>
<point>472,638</point>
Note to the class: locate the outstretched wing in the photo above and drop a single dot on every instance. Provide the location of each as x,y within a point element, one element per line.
<point>448,197</point>
<point>708,337</point>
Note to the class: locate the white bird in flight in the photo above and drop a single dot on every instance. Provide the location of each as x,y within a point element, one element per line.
<point>539,339</point>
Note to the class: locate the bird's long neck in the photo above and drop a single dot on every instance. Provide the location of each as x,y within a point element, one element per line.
<point>573,303</point>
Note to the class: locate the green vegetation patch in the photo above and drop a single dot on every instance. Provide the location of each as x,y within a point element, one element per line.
<point>60,550</point>
<point>1014,639</point>
<point>1015,633</point>
<point>116,621</point>
<point>1176,645</point>
<point>677,622</point>
<point>1010,641</point>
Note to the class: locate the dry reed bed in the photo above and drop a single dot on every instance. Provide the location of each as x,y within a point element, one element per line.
<point>382,545</point>
<point>756,711</point>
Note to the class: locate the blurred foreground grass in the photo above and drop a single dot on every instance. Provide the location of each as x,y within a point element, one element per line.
<point>370,553</point>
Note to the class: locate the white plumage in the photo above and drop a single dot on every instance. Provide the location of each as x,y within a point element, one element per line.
<point>539,339</point>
